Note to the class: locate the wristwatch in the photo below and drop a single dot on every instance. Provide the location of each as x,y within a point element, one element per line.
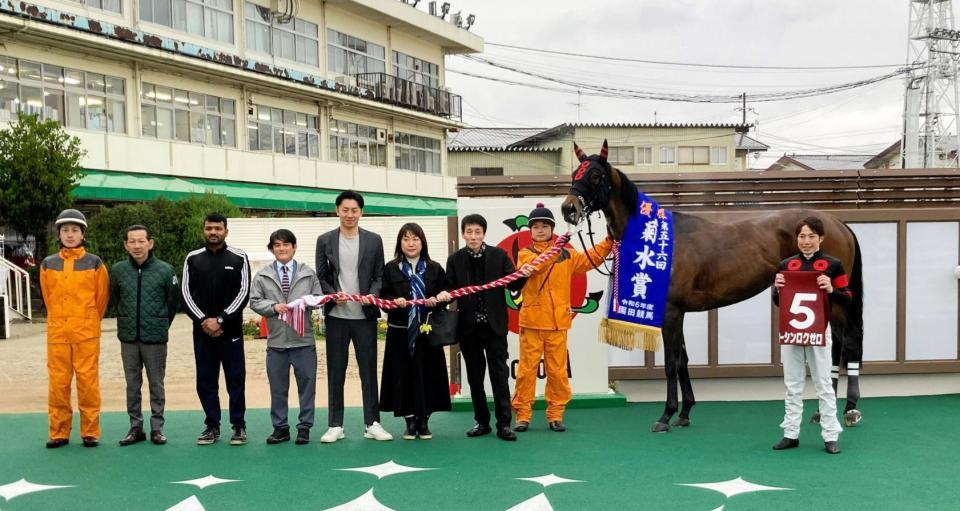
<point>219,320</point>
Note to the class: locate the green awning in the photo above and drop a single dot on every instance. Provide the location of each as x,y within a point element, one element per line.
<point>102,185</point>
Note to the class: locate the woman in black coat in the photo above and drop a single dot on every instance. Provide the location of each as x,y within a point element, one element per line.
<point>414,382</point>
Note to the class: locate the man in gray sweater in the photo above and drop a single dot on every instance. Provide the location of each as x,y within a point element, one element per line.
<point>273,287</point>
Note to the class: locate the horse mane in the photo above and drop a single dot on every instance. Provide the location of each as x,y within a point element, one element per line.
<point>628,191</point>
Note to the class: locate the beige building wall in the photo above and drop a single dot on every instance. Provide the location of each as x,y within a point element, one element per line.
<point>512,163</point>
<point>132,152</point>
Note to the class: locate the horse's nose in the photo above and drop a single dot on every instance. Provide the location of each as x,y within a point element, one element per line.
<point>569,210</point>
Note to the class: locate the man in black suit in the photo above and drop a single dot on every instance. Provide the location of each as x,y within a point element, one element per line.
<point>350,261</point>
<point>482,324</point>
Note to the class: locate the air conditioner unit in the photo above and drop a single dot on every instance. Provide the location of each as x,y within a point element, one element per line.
<point>382,136</point>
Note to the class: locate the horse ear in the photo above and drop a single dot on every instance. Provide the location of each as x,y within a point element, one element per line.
<point>603,151</point>
<point>579,152</point>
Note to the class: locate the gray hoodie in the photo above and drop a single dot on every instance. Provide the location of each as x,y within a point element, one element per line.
<point>266,292</point>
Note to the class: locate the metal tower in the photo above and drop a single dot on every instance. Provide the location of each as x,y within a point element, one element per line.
<point>931,119</point>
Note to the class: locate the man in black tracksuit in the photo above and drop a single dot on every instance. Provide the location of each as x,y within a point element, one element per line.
<point>215,288</point>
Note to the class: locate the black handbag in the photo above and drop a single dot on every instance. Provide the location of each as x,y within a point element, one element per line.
<point>441,327</point>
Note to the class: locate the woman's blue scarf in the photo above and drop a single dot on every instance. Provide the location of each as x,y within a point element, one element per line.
<point>417,313</point>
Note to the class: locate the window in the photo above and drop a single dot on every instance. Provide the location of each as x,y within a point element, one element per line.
<point>295,133</point>
<point>71,97</point>
<point>645,155</point>
<point>486,171</point>
<point>416,70</point>
<point>620,155</point>
<point>718,155</point>
<point>106,5</point>
<point>212,19</point>
<point>348,55</point>
<point>694,155</point>
<point>357,143</point>
<point>668,155</point>
<point>176,114</point>
<point>296,40</point>
<point>420,154</point>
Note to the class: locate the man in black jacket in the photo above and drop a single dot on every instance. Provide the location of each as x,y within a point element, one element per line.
<point>482,324</point>
<point>147,295</point>
<point>216,287</point>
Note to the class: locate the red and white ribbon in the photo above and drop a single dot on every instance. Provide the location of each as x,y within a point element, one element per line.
<point>296,316</point>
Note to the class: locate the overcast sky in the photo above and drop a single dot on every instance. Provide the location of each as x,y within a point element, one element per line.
<point>730,32</point>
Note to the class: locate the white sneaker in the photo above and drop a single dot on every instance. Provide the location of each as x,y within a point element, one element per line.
<point>332,435</point>
<point>376,432</point>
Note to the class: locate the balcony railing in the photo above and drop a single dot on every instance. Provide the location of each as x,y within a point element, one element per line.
<point>408,94</point>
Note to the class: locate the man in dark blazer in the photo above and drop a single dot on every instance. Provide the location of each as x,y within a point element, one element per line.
<point>482,324</point>
<point>350,261</point>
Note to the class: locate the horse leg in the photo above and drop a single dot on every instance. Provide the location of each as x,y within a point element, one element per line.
<point>671,365</point>
<point>686,387</point>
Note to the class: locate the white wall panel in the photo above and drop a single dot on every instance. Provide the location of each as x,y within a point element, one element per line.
<point>878,247</point>
<point>932,256</point>
<point>743,331</point>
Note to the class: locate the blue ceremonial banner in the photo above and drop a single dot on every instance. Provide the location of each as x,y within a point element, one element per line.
<point>641,279</point>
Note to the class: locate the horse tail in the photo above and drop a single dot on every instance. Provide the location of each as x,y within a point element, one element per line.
<point>855,310</point>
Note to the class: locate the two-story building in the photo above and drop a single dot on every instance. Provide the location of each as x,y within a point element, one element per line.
<point>633,148</point>
<point>277,104</point>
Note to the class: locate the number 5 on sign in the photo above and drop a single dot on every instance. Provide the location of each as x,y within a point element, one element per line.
<point>804,321</point>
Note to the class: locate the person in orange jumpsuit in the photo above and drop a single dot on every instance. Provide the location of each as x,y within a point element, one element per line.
<point>545,318</point>
<point>75,287</point>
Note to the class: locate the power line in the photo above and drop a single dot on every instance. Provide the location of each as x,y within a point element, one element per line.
<point>616,92</point>
<point>683,64</point>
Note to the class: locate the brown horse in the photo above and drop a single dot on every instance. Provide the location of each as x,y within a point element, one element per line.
<point>715,263</point>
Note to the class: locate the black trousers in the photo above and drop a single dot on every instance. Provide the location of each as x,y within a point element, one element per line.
<point>210,353</point>
<point>483,349</point>
<point>363,333</point>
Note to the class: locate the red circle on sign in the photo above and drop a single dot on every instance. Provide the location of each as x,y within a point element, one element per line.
<point>820,265</point>
<point>794,265</point>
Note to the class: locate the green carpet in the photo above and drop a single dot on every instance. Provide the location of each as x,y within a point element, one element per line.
<point>904,455</point>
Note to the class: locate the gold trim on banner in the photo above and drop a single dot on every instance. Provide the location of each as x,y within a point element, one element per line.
<point>629,336</point>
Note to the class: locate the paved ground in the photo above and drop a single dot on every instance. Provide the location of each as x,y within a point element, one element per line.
<point>23,371</point>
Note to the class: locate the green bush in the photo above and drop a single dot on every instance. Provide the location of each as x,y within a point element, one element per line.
<point>176,226</point>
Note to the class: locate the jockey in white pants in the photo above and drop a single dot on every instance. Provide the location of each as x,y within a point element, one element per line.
<point>833,281</point>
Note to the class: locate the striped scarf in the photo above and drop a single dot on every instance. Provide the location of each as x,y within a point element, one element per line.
<point>417,290</point>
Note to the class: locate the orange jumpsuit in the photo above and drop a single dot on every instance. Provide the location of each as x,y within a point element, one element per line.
<point>76,289</point>
<point>545,318</point>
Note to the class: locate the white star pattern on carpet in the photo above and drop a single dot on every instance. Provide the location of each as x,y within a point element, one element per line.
<point>23,487</point>
<point>365,502</point>
<point>204,482</point>
<point>538,503</point>
<point>734,487</point>
<point>189,504</point>
<point>548,480</point>
<point>385,469</point>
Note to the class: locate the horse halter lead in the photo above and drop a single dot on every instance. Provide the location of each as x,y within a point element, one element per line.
<point>592,197</point>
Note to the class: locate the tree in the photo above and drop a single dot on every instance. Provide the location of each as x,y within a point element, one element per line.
<point>39,167</point>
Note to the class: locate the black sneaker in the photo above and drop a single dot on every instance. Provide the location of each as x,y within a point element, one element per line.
<point>240,436</point>
<point>303,436</point>
<point>505,433</point>
<point>557,426</point>
<point>56,443</point>
<point>479,430</point>
<point>157,437</point>
<point>209,435</point>
<point>411,432</point>
<point>786,443</point>
<point>135,435</point>
<point>521,426</point>
<point>89,441</point>
<point>279,435</point>
<point>423,430</point>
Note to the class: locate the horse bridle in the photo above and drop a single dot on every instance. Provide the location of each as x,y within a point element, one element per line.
<point>589,198</point>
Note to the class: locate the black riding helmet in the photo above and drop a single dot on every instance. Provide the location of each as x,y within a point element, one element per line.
<point>541,213</point>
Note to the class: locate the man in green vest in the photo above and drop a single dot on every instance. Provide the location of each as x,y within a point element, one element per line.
<point>147,295</point>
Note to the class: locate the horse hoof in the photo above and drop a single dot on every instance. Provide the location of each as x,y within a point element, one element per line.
<point>852,418</point>
<point>681,423</point>
<point>815,418</point>
<point>659,427</point>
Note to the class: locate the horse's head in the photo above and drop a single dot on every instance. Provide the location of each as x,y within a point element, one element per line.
<point>590,187</point>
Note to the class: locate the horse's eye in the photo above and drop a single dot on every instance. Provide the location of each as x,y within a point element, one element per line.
<point>595,177</point>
